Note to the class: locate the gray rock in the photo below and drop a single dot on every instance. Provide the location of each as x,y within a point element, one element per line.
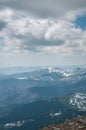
<point>71,123</point>
<point>56,128</point>
<point>81,127</point>
<point>82,121</point>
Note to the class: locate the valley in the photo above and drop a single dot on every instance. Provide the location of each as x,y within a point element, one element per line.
<point>33,100</point>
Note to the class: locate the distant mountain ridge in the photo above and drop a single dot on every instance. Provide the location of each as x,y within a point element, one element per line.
<point>51,73</point>
<point>41,84</point>
<point>11,70</point>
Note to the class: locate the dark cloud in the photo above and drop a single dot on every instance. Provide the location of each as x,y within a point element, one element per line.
<point>48,8</point>
<point>2,25</point>
<point>34,44</point>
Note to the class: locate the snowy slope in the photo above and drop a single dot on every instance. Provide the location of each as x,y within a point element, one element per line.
<point>79,100</point>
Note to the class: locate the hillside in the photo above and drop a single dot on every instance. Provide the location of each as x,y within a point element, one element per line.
<point>73,124</point>
<point>36,115</point>
<point>33,100</point>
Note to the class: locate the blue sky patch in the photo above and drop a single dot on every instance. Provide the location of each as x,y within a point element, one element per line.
<point>81,22</point>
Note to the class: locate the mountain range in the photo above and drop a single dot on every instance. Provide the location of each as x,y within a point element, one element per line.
<point>34,99</point>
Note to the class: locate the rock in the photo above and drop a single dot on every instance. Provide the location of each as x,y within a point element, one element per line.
<point>82,121</point>
<point>54,128</point>
<point>71,123</point>
<point>81,127</point>
<point>78,123</point>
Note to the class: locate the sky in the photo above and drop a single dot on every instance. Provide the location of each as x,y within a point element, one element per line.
<point>40,33</point>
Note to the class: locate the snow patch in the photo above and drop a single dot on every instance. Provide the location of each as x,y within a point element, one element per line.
<point>16,124</point>
<point>78,100</point>
<point>55,114</point>
<point>22,78</point>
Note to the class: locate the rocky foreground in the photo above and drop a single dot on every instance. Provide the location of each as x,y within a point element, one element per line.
<point>73,124</point>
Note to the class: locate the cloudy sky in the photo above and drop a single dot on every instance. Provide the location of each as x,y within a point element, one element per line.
<point>38,32</point>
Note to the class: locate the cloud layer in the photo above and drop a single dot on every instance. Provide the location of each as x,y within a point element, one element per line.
<point>48,8</point>
<point>38,26</point>
<point>21,32</point>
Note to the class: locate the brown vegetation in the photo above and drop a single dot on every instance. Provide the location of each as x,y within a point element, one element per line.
<point>73,124</point>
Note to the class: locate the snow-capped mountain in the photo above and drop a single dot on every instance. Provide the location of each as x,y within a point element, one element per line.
<point>46,95</point>
<point>53,73</point>
<point>43,83</point>
<point>78,100</point>
<point>50,74</point>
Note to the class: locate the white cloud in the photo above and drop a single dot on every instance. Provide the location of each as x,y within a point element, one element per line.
<point>45,27</point>
<point>23,32</point>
